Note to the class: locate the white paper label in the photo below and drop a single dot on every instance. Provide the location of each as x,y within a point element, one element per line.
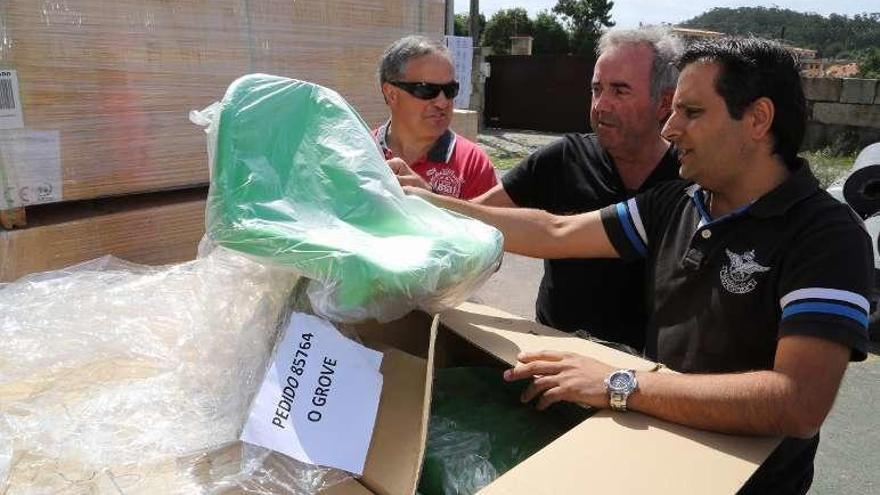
<point>462,50</point>
<point>319,398</point>
<point>30,167</point>
<point>10,101</point>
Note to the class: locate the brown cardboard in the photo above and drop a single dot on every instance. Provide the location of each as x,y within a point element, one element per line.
<point>148,229</point>
<point>118,79</point>
<point>609,452</point>
<point>394,461</point>
<point>633,453</point>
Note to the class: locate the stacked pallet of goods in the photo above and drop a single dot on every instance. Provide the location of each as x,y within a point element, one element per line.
<point>97,155</point>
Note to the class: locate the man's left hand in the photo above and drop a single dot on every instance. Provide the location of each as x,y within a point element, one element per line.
<point>405,175</point>
<point>561,376</point>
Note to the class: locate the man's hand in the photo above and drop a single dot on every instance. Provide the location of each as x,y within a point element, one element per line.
<point>423,193</point>
<point>561,376</point>
<point>405,175</point>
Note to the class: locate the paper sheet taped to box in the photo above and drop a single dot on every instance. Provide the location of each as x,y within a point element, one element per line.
<point>30,167</point>
<point>319,398</point>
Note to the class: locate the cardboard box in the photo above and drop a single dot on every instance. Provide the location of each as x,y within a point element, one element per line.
<point>105,88</point>
<point>153,229</point>
<point>618,453</point>
<point>607,453</point>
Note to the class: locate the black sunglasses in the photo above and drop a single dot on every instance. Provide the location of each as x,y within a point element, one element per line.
<point>428,91</point>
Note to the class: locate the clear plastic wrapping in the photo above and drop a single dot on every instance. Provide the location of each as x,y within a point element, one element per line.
<point>120,378</point>
<point>298,181</point>
<point>115,78</point>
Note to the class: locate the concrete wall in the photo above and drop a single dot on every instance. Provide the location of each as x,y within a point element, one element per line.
<point>843,114</point>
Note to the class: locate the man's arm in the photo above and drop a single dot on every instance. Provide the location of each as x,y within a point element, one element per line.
<point>793,399</point>
<point>535,233</point>
<point>496,196</point>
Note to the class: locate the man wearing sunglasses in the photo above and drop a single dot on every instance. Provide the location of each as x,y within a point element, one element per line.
<point>418,83</point>
<point>632,85</point>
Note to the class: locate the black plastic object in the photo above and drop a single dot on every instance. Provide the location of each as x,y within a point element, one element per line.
<point>479,430</point>
<point>862,187</point>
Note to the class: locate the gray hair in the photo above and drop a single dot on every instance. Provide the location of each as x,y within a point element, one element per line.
<point>667,50</point>
<point>396,56</point>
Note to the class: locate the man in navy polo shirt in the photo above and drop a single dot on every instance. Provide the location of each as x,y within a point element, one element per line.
<point>758,278</point>
<point>418,83</point>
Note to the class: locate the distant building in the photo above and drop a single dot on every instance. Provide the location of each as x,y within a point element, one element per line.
<point>810,65</point>
<point>841,69</point>
<point>689,35</point>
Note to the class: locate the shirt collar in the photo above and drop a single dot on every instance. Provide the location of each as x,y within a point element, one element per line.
<point>799,185</point>
<point>440,152</point>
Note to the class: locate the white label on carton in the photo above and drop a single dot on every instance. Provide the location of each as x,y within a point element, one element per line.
<point>10,101</point>
<point>319,398</point>
<point>30,167</point>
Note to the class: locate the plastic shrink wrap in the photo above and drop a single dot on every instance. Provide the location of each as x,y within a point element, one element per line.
<point>121,378</point>
<point>297,180</point>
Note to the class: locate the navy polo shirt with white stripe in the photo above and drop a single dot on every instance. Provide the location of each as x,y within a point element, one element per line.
<point>723,290</point>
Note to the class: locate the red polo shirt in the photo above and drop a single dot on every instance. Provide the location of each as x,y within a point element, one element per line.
<point>454,166</point>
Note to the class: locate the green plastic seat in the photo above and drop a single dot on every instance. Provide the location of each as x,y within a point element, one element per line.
<point>297,180</point>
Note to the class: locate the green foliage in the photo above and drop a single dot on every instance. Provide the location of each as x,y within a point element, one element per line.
<point>869,64</point>
<point>582,23</point>
<point>463,24</point>
<point>832,36</point>
<point>550,36</point>
<point>504,24</point>
<point>585,20</point>
<point>827,166</point>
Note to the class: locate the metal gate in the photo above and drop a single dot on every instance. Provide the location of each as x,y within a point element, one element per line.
<point>539,92</point>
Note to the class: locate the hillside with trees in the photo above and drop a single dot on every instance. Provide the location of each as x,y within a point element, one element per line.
<point>835,36</point>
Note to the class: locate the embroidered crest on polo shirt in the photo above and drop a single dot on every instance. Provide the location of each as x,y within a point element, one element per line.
<point>444,181</point>
<point>738,276</point>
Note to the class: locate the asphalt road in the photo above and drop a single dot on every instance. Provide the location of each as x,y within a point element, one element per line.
<point>848,461</point>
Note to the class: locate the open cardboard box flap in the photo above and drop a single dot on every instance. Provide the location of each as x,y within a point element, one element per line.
<point>607,453</point>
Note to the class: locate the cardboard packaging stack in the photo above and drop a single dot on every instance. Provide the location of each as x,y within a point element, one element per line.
<point>95,98</point>
<point>626,453</point>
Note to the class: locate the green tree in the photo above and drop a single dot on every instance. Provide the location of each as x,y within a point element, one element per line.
<point>504,24</point>
<point>869,65</point>
<point>550,36</point>
<point>832,36</point>
<point>463,24</point>
<point>585,20</point>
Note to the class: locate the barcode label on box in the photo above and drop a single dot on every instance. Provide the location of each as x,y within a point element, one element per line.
<point>10,101</point>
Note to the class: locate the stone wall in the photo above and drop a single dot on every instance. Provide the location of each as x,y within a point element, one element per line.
<point>843,114</point>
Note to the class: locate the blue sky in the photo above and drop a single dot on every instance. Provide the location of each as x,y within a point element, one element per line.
<point>628,13</point>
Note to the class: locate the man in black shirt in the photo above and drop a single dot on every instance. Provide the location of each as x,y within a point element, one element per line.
<point>632,87</point>
<point>758,278</point>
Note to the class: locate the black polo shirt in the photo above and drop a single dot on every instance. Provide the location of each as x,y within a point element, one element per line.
<point>722,291</point>
<point>603,297</point>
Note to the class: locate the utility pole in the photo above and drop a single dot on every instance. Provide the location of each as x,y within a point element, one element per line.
<point>475,22</point>
<point>450,17</point>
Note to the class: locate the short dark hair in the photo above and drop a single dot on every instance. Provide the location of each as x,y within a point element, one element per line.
<point>752,68</point>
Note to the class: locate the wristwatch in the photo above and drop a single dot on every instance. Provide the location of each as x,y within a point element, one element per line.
<point>620,384</point>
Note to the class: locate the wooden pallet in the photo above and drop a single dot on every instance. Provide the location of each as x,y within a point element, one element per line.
<point>154,229</point>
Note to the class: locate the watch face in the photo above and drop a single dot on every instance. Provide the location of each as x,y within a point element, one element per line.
<point>620,381</point>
